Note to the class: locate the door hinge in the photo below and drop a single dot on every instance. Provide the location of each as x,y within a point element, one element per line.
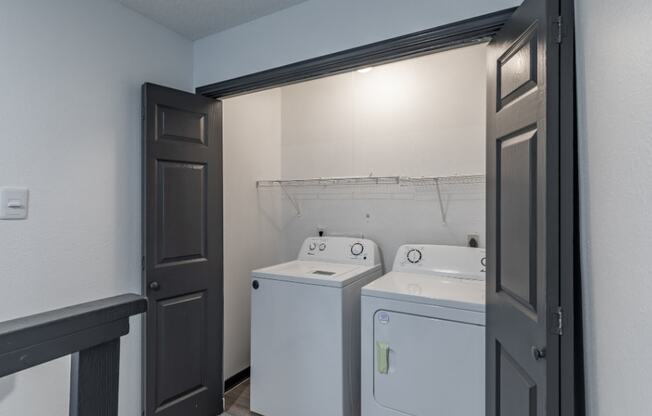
<point>559,27</point>
<point>559,321</point>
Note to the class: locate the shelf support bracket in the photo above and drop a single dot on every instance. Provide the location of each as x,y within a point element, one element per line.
<point>441,202</point>
<point>292,200</point>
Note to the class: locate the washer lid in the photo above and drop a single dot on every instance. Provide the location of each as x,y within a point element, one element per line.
<point>440,290</point>
<point>315,272</point>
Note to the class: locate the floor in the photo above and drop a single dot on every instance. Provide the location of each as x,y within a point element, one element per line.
<point>237,401</point>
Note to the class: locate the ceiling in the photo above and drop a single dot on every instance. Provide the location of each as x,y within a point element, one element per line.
<point>195,19</point>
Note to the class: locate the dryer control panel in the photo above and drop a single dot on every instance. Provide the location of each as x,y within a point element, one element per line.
<point>341,250</point>
<point>464,262</point>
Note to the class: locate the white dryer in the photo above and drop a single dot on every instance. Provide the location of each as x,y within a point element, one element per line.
<point>423,334</point>
<point>305,329</point>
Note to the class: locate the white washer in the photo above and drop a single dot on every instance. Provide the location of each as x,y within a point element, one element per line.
<point>305,329</point>
<point>423,334</point>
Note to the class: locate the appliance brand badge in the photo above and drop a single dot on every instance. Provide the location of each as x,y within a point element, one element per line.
<point>383,317</point>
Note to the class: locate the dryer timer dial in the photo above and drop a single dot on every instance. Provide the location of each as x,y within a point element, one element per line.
<point>357,249</point>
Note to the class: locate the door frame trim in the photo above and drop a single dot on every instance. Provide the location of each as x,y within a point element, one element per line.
<point>571,375</point>
<point>462,33</point>
<point>458,34</point>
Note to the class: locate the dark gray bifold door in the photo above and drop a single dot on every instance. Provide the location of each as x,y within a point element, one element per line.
<point>182,264</point>
<point>523,213</point>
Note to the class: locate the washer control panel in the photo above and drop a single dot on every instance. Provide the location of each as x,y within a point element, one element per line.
<point>340,249</point>
<point>414,255</point>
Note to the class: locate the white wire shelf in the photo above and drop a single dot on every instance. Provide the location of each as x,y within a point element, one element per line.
<point>444,180</point>
<point>418,182</point>
<point>375,180</point>
<point>331,181</point>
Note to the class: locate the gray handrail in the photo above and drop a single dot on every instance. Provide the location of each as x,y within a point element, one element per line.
<point>90,332</point>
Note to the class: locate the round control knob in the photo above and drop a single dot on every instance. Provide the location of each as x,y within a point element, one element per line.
<point>312,246</point>
<point>357,249</point>
<point>414,256</point>
<point>154,286</point>
<point>322,247</point>
<point>255,284</point>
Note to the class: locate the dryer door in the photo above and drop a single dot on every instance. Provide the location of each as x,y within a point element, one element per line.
<point>428,367</point>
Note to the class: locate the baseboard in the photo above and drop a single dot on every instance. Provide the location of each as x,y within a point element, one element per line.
<point>236,379</point>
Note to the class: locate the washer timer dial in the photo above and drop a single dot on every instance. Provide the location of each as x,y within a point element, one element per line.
<point>414,255</point>
<point>357,249</point>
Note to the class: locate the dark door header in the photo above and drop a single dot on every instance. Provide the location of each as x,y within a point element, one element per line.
<point>465,32</point>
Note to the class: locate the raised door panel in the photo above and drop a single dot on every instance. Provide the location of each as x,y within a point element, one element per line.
<point>181,355</point>
<point>181,205</point>
<point>517,68</point>
<point>517,197</point>
<point>517,391</point>
<point>175,124</point>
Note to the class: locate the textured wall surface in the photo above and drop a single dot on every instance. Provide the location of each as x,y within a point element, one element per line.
<point>70,131</point>
<point>319,27</point>
<point>614,58</point>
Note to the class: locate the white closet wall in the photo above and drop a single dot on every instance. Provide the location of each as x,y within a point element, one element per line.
<point>422,117</point>
<point>252,149</point>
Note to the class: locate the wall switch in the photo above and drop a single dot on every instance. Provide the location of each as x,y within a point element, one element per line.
<point>13,203</point>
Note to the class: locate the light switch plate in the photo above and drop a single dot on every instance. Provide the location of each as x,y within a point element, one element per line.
<point>13,203</point>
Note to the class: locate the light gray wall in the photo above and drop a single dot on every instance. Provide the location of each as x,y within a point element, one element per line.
<point>319,27</point>
<point>614,59</point>
<point>70,131</point>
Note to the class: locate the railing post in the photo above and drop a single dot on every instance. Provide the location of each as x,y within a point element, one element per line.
<point>89,331</point>
<point>94,380</point>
